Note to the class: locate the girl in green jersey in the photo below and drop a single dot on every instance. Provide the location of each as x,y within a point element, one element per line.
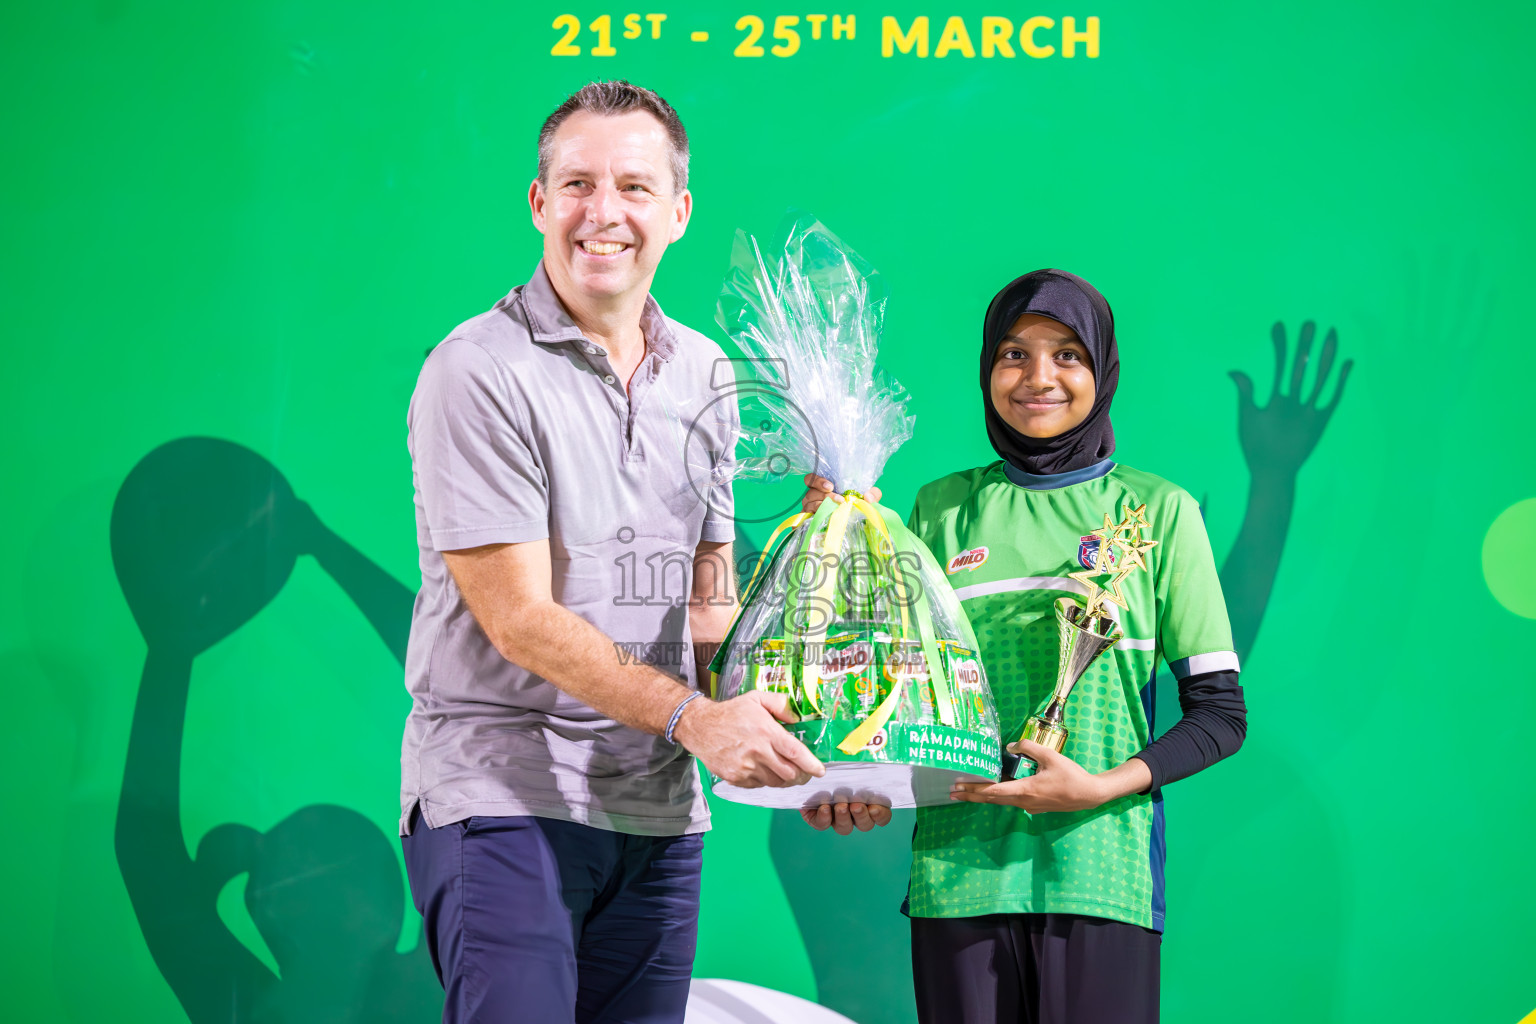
<point>1041,899</point>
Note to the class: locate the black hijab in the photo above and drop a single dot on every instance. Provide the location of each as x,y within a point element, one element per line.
<point>1068,299</point>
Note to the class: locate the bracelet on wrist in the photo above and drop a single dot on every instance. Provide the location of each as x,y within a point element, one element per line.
<point>677,715</point>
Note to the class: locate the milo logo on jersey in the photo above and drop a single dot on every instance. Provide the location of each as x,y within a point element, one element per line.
<point>967,560</point>
<point>1088,552</point>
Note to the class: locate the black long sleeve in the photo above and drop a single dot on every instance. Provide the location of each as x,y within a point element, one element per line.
<point>1214,724</point>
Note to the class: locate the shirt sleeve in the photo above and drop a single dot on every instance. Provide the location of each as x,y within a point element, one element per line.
<point>1194,637</point>
<point>1193,632</point>
<point>1214,723</point>
<point>478,479</point>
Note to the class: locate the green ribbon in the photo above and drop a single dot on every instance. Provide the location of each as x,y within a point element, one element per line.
<point>905,543</point>
<point>799,590</point>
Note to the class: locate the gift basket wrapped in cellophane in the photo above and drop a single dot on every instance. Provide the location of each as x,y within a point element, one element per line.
<point>846,613</point>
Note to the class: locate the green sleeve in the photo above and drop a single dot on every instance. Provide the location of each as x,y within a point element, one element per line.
<point>1193,632</point>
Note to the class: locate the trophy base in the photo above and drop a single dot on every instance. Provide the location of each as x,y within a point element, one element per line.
<point>895,785</point>
<point>1016,766</point>
<point>1036,730</point>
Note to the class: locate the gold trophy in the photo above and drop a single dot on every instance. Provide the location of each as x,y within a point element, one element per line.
<point>1085,632</point>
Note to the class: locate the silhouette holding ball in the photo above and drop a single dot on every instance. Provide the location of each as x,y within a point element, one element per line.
<point>204,534</point>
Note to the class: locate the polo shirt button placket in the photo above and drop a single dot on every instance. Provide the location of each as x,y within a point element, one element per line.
<point>620,404</point>
<point>600,363</point>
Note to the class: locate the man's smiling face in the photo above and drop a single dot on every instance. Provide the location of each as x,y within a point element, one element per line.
<point>608,207</point>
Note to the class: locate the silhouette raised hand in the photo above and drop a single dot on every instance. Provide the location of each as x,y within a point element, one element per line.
<point>1278,438</point>
<point>204,534</point>
<point>1276,441</point>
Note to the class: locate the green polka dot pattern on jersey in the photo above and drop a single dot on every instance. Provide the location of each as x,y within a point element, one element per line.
<point>973,859</point>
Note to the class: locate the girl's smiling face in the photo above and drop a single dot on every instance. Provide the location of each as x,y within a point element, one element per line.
<point>1042,383</point>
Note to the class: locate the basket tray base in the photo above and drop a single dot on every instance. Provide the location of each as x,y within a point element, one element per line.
<point>896,785</point>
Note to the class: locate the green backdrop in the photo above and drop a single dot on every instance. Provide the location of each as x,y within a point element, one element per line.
<point>246,223</point>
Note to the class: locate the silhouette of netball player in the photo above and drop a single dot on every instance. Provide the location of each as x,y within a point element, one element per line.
<point>204,534</point>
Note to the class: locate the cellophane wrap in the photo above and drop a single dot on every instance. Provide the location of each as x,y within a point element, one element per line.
<point>807,313</point>
<point>847,613</point>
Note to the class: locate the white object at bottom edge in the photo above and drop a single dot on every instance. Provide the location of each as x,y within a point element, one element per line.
<point>720,1001</point>
<point>895,785</point>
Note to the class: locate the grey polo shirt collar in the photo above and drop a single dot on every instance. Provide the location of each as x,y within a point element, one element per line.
<point>550,324</point>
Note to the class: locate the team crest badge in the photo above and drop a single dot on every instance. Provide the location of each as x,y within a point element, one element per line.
<point>1088,552</point>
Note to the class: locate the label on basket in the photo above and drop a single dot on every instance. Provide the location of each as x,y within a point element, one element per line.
<point>965,669</point>
<point>848,675</point>
<point>770,668</point>
<point>967,674</point>
<point>905,663</point>
<point>771,676</point>
<point>932,746</point>
<point>845,654</point>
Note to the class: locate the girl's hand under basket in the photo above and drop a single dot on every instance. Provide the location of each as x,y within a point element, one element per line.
<point>844,818</point>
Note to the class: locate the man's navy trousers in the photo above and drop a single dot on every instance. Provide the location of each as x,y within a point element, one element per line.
<point>549,922</point>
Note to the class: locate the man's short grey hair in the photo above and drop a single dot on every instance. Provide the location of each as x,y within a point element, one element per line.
<point>611,99</point>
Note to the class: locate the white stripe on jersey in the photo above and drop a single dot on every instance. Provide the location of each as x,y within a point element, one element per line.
<point>1050,583</point>
<point>1196,664</point>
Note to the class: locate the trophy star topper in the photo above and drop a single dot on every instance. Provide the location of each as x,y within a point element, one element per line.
<point>1106,531</point>
<point>1133,550</point>
<point>1136,518</point>
<point>1104,579</point>
<point>1102,586</point>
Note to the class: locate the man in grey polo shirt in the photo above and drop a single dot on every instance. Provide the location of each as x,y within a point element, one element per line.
<point>550,806</point>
